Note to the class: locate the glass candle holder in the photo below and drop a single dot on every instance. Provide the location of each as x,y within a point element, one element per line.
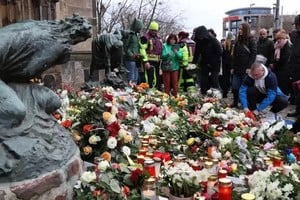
<point>225,189</point>
<point>157,164</point>
<point>296,152</point>
<point>277,161</point>
<point>222,173</point>
<point>149,189</point>
<point>140,159</point>
<point>211,183</point>
<point>149,167</point>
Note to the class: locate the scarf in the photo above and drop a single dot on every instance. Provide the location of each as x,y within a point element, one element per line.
<point>278,45</point>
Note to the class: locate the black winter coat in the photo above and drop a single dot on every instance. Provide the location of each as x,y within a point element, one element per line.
<point>244,57</point>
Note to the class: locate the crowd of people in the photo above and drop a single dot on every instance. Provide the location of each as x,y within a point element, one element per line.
<point>260,72</point>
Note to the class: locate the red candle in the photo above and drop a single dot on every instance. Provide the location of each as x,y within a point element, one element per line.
<point>149,167</point>
<point>277,161</point>
<point>295,151</point>
<point>222,173</point>
<point>225,189</point>
<point>140,159</point>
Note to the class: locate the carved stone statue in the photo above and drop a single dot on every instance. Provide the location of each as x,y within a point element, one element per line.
<point>31,141</point>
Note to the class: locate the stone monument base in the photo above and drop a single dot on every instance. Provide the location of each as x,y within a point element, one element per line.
<point>55,185</point>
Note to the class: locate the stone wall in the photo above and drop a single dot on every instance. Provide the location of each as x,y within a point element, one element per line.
<point>56,185</point>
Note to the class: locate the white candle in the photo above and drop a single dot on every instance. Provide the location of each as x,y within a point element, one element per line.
<point>149,194</point>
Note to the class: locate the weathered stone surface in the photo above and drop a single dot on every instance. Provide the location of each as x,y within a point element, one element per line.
<point>61,197</point>
<point>38,187</point>
<point>2,193</point>
<point>74,169</point>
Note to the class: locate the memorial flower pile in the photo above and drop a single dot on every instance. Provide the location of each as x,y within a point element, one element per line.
<point>113,125</point>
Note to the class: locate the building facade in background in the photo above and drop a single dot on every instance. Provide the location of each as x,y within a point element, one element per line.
<point>257,17</point>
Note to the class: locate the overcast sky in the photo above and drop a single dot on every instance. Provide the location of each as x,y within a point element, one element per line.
<point>211,12</point>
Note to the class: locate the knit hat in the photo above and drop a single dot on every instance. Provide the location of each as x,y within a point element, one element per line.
<point>261,59</point>
<point>154,26</point>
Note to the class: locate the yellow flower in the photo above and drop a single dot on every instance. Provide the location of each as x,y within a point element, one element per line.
<point>127,138</point>
<point>106,156</point>
<point>106,116</point>
<point>234,167</point>
<point>87,150</point>
<point>75,135</point>
<point>190,141</point>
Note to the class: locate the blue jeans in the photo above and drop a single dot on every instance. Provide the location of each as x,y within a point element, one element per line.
<point>237,80</point>
<point>133,74</point>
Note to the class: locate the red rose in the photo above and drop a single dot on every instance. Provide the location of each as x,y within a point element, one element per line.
<point>230,127</point>
<point>107,96</point>
<point>121,114</point>
<point>87,128</point>
<point>67,123</point>
<point>126,190</point>
<point>247,136</point>
<point>113,128</point>
<point>134,176</point>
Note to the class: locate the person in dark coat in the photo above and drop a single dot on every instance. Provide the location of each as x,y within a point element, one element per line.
<point>227,50</point>
<point>244,54</point>
<point>280,62</point>
<point>265,46</point>
<point>209,49</point>
<point>260,90</point>
<point>294,65</point>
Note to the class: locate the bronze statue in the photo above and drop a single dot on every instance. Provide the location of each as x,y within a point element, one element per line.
<point>31,140</point>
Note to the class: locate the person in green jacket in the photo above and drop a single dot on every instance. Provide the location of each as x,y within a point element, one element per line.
<point>132,46</point>
<point>171,56</point>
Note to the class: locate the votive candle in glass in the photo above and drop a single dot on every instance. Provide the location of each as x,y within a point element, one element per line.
<point>225,189</point>
<point>149,167</point>
<point>277,161</point>
<point>222,173</point>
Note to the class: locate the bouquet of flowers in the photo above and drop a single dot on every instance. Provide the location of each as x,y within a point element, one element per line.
<point>182,179</point>
<point>272,185</point>
<point>110,182</point>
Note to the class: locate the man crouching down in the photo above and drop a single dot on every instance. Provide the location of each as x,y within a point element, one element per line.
<point>260,90</point>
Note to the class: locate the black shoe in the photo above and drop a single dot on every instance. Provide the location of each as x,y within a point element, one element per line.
<point>294,114</point>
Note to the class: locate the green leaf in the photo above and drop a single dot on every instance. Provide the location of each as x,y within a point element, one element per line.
<point>114,185</point>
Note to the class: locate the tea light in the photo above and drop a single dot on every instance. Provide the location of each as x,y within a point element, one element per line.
<point>248,196</point>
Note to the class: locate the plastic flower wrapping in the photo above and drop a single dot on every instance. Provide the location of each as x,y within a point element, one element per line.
<point>110,124</point>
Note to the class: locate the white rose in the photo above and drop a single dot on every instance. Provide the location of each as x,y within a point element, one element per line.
<point>111,142</point>
<point>88,177</point>
<point>103,165</point>
<point>94,139</point>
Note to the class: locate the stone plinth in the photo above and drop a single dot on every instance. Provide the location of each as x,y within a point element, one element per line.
<point>55,185</point>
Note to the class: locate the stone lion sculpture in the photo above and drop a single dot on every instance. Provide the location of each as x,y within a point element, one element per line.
<point>31,141</point>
